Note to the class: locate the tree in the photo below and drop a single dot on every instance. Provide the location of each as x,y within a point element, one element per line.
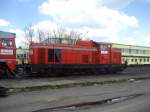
<point>41,35</point>
<point>29,34</point>
<point>61,32</point>
<point>74,35</point>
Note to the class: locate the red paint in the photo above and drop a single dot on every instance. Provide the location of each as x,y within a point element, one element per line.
<point>8,52</point>
<point>84,52</point>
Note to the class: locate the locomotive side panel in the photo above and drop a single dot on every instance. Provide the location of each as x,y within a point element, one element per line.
<point>116,57</point>
<point>84,57</point>
<point>33,57</point>
<point>70,57</point>
<point>104,59</point>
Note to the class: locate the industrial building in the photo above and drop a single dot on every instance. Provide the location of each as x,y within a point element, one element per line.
<point>134,54</point>
<point>22,55</point>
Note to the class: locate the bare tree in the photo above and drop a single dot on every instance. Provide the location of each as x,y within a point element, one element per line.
<point>29,34</point>
<point>61,32</point>
<point>74,35</point>
<point>41,35</point>
<point>49,34</point>
<point>54,33</point>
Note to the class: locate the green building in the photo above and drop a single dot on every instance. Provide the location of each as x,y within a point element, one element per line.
<point>22,55</point>
<point>134,54</point>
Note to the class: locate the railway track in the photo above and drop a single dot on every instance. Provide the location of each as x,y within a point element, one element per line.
<point>130,70</point>
<point>137,69</point>
<point>25,80</point>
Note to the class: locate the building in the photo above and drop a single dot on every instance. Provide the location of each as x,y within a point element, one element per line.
<point>134,54</point>
<point>22,55</point>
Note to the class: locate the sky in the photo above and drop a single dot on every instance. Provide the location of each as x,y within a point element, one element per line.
<point>117,21</point>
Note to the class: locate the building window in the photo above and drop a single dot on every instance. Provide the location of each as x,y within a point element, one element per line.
<point>125,50</point>
<point>147,52</point>
<point>122,50</point>
<point>130,51</point>
<point>18,56</point>
<point>132,60</point>
<point>25,55</point>
<point>140,51</point>
<point>140,60</point>
<point>133,51</point>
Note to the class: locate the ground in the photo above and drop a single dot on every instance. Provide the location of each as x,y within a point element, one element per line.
<point>35,100</point>
<point>34,94</point>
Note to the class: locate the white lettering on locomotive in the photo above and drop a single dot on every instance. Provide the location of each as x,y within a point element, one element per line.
<point>6,52</point>
<point>104,52</point>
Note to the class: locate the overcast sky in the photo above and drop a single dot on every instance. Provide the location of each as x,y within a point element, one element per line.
<point>120,21</point>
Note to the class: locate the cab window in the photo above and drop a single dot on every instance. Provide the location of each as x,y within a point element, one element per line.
<point>6,43</point>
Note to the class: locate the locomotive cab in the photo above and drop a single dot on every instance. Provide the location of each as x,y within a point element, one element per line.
<point>7,54</point>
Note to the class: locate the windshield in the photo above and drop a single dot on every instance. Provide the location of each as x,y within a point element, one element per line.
<point>6,43</point>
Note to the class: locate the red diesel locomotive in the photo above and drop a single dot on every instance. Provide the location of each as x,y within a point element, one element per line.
<point>59,55</point>
<point>7,53</point>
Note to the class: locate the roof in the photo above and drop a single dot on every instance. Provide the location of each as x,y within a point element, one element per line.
<point>7,35</point>
<point>138,46</point>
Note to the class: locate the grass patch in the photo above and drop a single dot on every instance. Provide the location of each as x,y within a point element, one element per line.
<point>82,84</point>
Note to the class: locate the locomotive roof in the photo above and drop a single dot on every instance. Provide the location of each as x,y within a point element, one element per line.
<point>7,35</point>
<point>104,43</point>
